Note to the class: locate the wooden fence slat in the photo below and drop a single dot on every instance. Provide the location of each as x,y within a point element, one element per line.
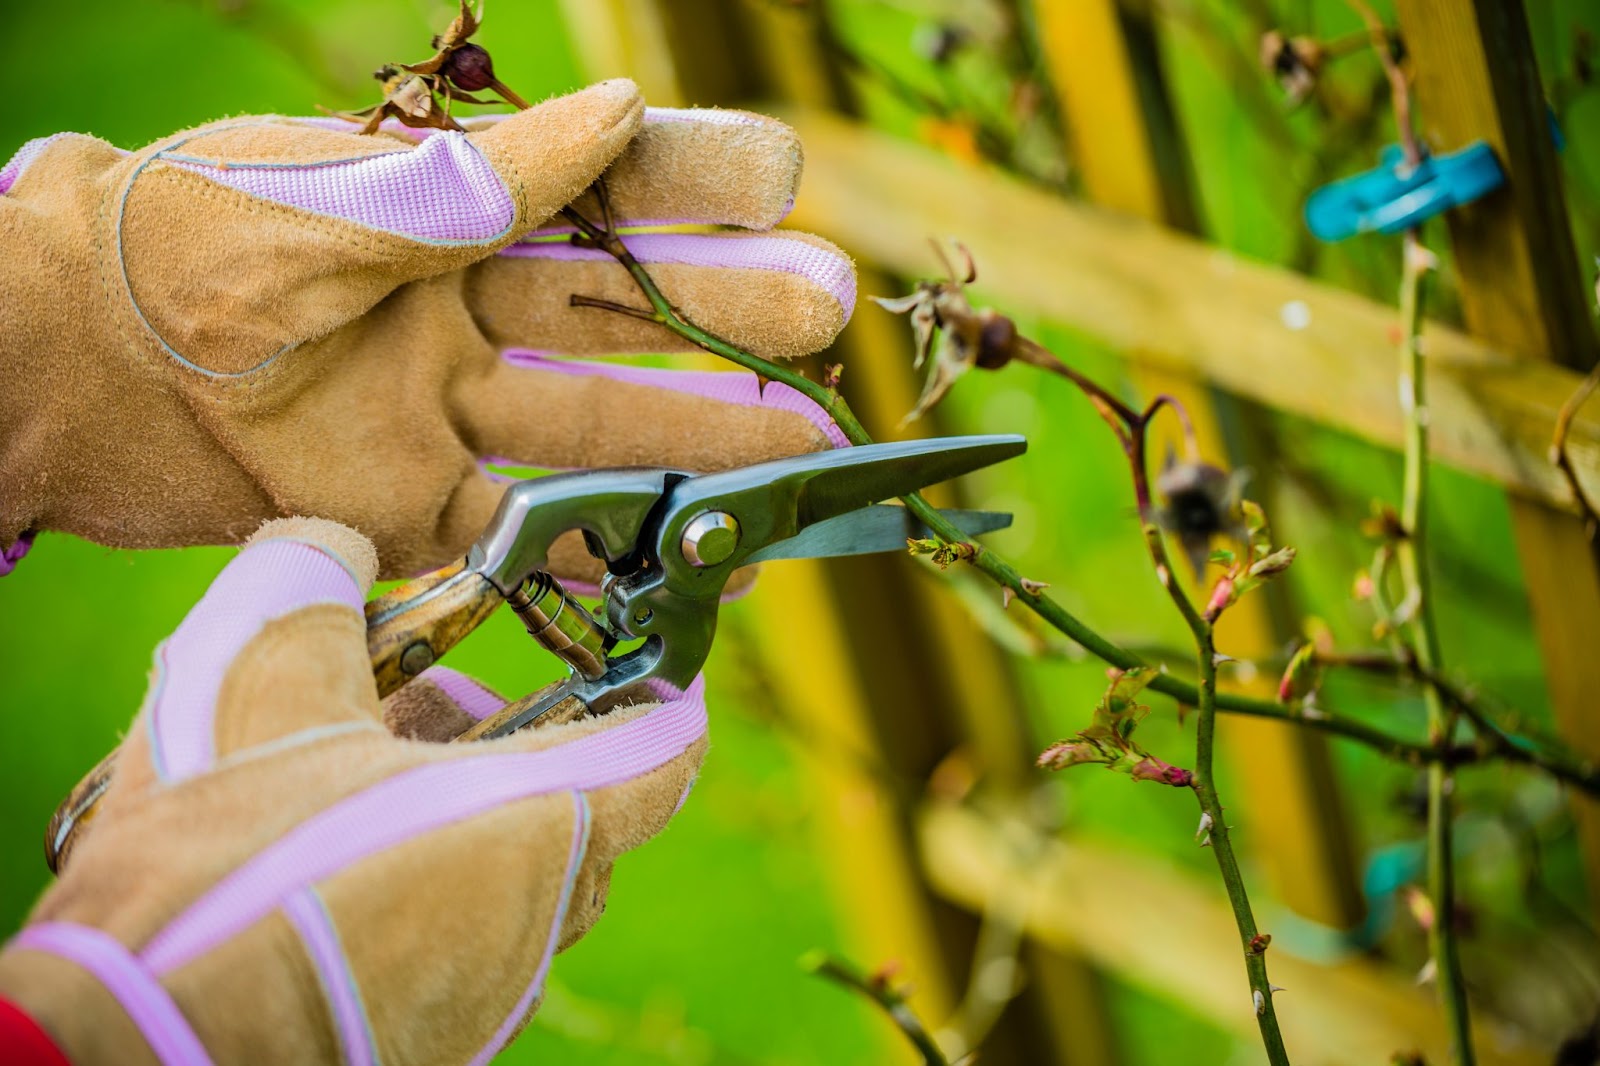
<point>1477,78</point>
<point>1167,931</point>
<point>1129,151</point>
<point>1255,330</point>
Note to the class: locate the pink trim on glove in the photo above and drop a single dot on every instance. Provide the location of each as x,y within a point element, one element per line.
<point>465,692</point>
<point>10,557</point>
<point>441,192</point>
<point>581,820</point>
<point>147,1004</point>
<point>310,918</point>
<point>832,273</point>
<point>265,581</point>
<point>24,156</point>
<point>711,116</point>
<point>414,802</point>
<point>733,387</point>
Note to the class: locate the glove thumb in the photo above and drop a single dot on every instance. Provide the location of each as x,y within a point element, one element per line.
<point>247,238</point>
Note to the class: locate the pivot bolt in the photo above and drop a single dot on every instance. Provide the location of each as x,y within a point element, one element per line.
<point>709,539</point>
<point>417,658</point>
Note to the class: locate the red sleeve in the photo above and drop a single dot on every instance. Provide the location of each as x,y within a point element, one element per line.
<point>23,1043</point>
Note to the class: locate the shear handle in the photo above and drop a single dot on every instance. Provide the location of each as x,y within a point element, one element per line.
<point>411,627</point>
<point>610,506</point>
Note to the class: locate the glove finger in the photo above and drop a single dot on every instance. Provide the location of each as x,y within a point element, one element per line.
<point>567,414</point>
<point>276,648</point>
<point>634,769</point>
<point>699,165</point>
<point>438,705</point>
<point>779,295</point>
<point>288,230</point>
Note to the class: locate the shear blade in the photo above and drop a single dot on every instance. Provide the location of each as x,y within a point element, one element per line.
<point>879,528</point>
<point>848,479</point>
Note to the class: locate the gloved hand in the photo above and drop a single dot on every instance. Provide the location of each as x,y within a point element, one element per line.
<point>275,877</point>
<point>269,316</point>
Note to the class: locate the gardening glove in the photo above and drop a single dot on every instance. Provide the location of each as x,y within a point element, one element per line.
<point>275,877</point>
<point>268,316</point>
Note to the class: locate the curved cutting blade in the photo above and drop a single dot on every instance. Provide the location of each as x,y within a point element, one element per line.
<point>882,527</point>
<point>778,500</point>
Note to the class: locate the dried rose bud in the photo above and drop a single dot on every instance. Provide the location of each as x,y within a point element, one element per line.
<point>997,340</point>
<point>1199,502</point>
<point>1295,62</point>
<point>469,68</point>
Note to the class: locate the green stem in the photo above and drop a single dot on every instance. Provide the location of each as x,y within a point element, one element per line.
<point>1205,789</point>
<point>1414,753</point>
<point>891,1001</point>
<point>1411,555</point>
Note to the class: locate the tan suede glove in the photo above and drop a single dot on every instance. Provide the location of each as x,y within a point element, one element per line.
<point>276,878</point>
<point>269,316</point>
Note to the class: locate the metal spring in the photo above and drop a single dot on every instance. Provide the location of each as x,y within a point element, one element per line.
<point>561,624</point>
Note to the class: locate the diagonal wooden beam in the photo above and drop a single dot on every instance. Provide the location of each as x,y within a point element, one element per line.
<point>1171,301</point>
<point>1166,931</point>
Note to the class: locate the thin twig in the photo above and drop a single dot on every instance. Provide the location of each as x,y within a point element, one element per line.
<point>1494,736</point>
<point>1251,942</point>
<point>1399,85</point>
<point>1560,456</point>
<point>879,990</point>
<point>1411,555</point>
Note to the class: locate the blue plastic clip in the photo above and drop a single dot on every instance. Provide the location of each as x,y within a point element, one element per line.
<point>1392,198</point>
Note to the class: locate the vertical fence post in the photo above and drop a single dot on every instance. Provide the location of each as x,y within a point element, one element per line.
<point>1104,60</point>
<point>1521,290</point>
<point>869,653</point>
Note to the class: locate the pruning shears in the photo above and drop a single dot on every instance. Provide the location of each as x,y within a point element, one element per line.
<point>670,540</point>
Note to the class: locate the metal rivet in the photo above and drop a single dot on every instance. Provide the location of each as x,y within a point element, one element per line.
<point>417,658</point>
<point>710,538</point>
